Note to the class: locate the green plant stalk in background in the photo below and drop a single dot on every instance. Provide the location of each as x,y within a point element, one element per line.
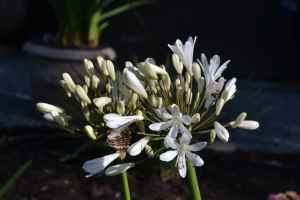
<point>124,180</point>
<point>193,182</point>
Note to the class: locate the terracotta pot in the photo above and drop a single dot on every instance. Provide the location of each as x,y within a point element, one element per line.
<point>47,64</point>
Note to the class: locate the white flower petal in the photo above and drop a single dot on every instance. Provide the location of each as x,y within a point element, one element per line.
<point>185,139</point>
<point>184,130</point>
<point>116,132</point>
<point>136,148</point>
<point>171,142</point>
<point>176,112</point>
<point>161,126</point>
<point>118,169</point>
<point>182,163</point>
<point>97,165</point>
<point>161,113</point>
<point>230,83</point>
<point>168,156</point>
<point>221,132</point>
<point>173,130</point>
<point>186,119</point>
<point>113,120</point>
<point>195,159</point>
<point>196,147</point>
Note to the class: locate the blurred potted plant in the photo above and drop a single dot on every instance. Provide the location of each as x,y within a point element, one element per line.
<point>80,25</point>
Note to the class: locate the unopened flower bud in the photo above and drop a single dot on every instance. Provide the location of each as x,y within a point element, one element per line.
<point>96,81</point>
<point>102,101</point>
<point>100,60</point>
<point>120,107</point>
<point>201,83</point>
<point>149,151</point>
<point>87,80</point>
<point>89,67</point>
<point>187,77</point>
<point>128,64</point>
<point>221,132</point>
<point>247,124</point>
<point>152,84</point>
<point>219,106</point>
<point>195,118</point>
<point>118,169</point>
<point>220,80</point>
<point>239,120</point>
<point>86,89</point>
<point>177,83</point>
<point>118,77</point>
<point>134,99</point>
<point>153,100</point>
<point>108,87</point>
<point>123,89</point>
<point>159,102</point>
<point>82,94</point>
<point>147,70</point>
<point>165,104</point>
<point>167,83</point>
<point>132,82</point>
<point>86,112</point>
<point>180,91</point>
<point>188,96</point>
<point>177,65</point>
<point>196,71</point>
<point>111,70</point>
<point>186,86</point>
<point>47,108</point>
<point>136,148</point>
<point>142,127</point>
<point>59,119</point>
<point>209,101</point>
<point>104,68</point>
<point>90,132</point>
<point>225,95</point>
<point>212,136</point>
<point>66,87</point>
<point>69,80</point>
<point>139,113</point>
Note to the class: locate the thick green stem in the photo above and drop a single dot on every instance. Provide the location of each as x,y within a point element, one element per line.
<point>125,186</point>
<point>193,182</point>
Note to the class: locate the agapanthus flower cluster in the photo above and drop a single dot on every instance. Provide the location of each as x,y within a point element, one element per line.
<point>143,100</point>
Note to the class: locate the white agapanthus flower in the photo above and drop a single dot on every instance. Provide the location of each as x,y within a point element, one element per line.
<point>175,122</point>
<point>97,165</point>
<point>185,52</point>
<point>231,87</point>
<point>212,72</point>
<point>119,122</point>
<point>182,150</point>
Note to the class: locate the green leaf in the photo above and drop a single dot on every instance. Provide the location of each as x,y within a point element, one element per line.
<point>8,185</point>
<point>122,9</point>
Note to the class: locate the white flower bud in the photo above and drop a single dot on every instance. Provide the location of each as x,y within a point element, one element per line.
<point>87,80</point>
<point>187,77</point>
<point>96,81</point>
<point>201,83</point>
<point>111,70</point>
<point>188,91</point>
<point>219,106</point>
<point>136,148</point>
<point>86,112</point>
<point>177,83</point>
<point>100,60</point>
<point>118,169</point>
<point>220,80</point>
<point>86,89</point>
<point>123,89</point>
<point>66,87</point>
<point>152,84</point>
<point>108,87</point>
<point>247,124</point>
<point>177,65</point>
<point>139,113</point>
<point>69,80</point>
<point>153,100</point>
<point>128,64</point>
<point>59,119</point>
<point>159,102</point>
<point>89,67</point>
<point>102,101</point>
<point>167,83</point>
<point>120,107</point>
<point>209,101</point>
<point>156,69</point>
<point>225,95</point>
<point>90,132</point>
<point>118,77</point>
<point>82,94</point>
<point>196,71</point>
<point>195,118</point>
<point>147,70</point>
<point>47,108</point>
<point>239,120</point>
<point>149,151</point>
<point>221,132</point>
<point>104,68</point>
<point>132,82</point>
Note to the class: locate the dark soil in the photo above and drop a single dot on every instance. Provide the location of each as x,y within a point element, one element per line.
<point>238,175</point>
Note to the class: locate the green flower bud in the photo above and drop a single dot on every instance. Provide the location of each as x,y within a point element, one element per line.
<point>149,151</point>
<point>86,89</point>
<point>187,77</point>
<point>120,107</point>
<point>142,127</point>
<point>220,80</point>
<point>196,71</point>
<point>212,136</point>
<point>118,77</point>
<point>153,100</point>
<point>196,118</point>
<point>108,87</point>
<point>219,106</point>
<point>82,94</point>
<point>201,83</point>
<point>159,102</point>
<point>239,120</point>
<point>90,132</point>
<point>87,81</point>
